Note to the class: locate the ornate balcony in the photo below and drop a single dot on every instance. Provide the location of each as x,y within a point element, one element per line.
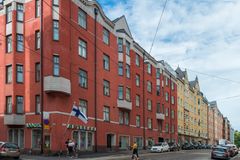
<point>160,116</point>
<point>14,119</point>
<point>124,104</point>
<point>57,84</point>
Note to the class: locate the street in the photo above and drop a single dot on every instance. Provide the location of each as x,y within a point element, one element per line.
<point>180,155</point>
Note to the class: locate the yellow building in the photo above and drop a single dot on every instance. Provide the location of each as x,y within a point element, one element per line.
<point>192,110</point>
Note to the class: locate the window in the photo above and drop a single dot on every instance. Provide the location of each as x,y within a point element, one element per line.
<point>172,114</point>
<point>37,8</point>
<point>106,88</point>
<point>126,118</point>
<point>20,43</point>
<point>158,90</point>
<point>172,86</point>
<point>158,108</point>
<point>55,30</point>
<point>19,73</point>
<point>166,96</point>
<point>120,92</point>
<point>36,139</point>
<point>83,106</point>
<point>19,104</point>
<point>9,43</point>
<point>166,112</point>
<point>82,48</point>
<point>137,80</point>
<point>149,104</point>
<point>127,48</point>
<point>83,78</point>
<point>16,136</point>
<point>82,18</point>
<point>56,67</point>
<point>149,86</point>
<point>128,94</point>
<point>20,12</point>
<point>9,14</point>
<point>120,68</point>
<point>166,81</point>
<point>149,123</point>
<point>158,73</point>
<point>149,68</point>
<point>137,121</point>
<point>121,117</point>
<point>137,100</point>
<point>55,2</point>
<point>9,104</point>
<point>37,104</point>
<point>106,64</point>
<point>137,61</point>
<point>127,71</point>
<point>172,128</point>
<point>9,74</point>
<point>172,100</point>
<point>120,45</point>
<point>166,129</point>
<point>162,108</point>
<point>37,72</point>
<point>37,39</point>
<point>106,113</point>
<point>105,36</point>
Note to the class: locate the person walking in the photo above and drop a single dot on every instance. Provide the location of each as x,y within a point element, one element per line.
<point>135,150</point>
<point>71,145</point>
<point>66,144</point>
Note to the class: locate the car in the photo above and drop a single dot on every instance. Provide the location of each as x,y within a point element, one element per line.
<point>187,146</point>
<point>230,150</point>
<point>234,149</point>
<point>8,149</point>
<point>220,152</point>
<point>174,146</point>
<point>160,147</point>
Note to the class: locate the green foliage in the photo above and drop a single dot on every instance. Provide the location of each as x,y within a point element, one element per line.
<point>237,138</point>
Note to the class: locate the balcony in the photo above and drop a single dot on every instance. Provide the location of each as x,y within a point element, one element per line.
<point>124,104</point>
<point>160,116</point>
<point>57,84</point>
<point>14,119</point>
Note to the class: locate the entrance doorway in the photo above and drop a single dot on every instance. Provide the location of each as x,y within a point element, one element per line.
<point>160,139</point>
<point>110,141</point>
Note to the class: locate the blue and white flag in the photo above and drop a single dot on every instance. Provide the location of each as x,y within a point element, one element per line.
<point>76,112</point>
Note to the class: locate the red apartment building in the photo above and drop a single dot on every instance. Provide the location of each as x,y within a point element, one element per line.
<point>72,53</point>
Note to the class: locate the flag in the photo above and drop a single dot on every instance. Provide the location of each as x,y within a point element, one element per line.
<point>76,112</point>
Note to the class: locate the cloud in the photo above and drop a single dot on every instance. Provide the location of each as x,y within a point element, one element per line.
<point>201,35</point>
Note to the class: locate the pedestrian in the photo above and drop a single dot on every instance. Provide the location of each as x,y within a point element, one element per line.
<point>71,145</point>
<point>76,149</point>
<point>66,144</point>
<point>135,150</point>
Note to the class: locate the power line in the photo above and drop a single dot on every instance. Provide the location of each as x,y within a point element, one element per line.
<point>158,26</point>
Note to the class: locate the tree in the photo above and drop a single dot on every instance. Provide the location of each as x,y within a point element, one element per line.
<point>237,138</point>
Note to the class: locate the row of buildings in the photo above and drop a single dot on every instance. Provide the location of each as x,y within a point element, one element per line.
<point>56,53</point>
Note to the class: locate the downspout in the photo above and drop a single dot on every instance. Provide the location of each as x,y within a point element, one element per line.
<point>95,75</point>
<point>170,108</point>
<point>144,133</point>
<point>41,73</point>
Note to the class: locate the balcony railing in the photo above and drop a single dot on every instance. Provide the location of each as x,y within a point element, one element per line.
<point>124,104</point>
<point>57,84</point>
<point>160,116</point>
<point>14,119</point>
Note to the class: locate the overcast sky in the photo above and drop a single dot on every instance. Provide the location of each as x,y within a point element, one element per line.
<point>202,36</point>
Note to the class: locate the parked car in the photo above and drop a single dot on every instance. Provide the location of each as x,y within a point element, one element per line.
<point>174,146</point>
<point>160,147</point>
<point>8,149</point>
<point>220,152</point>
<point>230,150</point>
<point>187,146</point>
<point>234,149</point>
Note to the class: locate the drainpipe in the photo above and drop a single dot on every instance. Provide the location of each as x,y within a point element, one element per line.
<point>95,74</point>
<point>144,132</point>
<point>41,75</point>
<point>170,108</point>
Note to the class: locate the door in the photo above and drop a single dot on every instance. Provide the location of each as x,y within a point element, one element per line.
<point>109,141</point>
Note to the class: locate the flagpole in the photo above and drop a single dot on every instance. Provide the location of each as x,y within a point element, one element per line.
<point>69,118</point>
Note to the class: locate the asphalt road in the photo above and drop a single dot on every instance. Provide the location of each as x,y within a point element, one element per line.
<point>180,155</point>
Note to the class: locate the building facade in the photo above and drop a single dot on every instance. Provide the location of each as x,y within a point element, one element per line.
<point>72,54</point>
<point>210,125</point>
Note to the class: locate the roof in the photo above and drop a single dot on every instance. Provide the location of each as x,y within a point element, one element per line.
<point>121,25</point>
<point>180,73</point>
